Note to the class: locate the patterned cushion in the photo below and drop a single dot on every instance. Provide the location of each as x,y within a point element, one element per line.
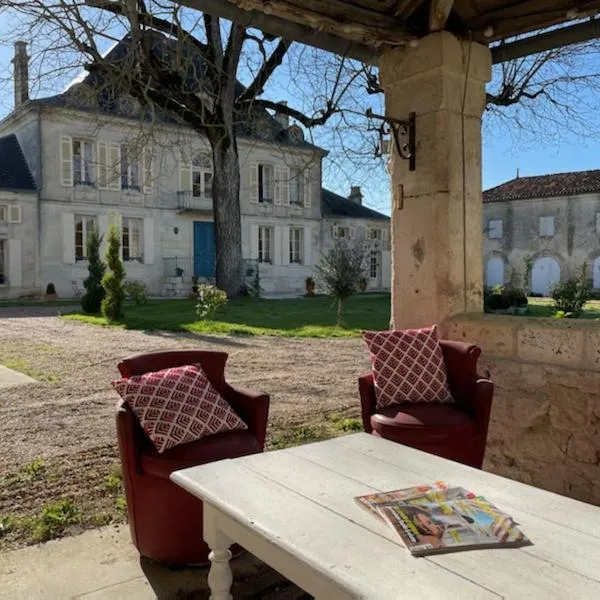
<point>408,366</point>
<point>177,405</point>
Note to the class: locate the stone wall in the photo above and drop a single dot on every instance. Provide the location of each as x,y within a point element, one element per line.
<point>545,424</point>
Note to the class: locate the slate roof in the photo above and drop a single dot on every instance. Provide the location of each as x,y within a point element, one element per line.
<point>545,186</point>
<point>261,125</point>
<point>333,205</point>
<point>14,171</point>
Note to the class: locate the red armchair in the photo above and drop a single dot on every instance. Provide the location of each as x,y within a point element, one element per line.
<point>165,520</point>
<point>455,431</point>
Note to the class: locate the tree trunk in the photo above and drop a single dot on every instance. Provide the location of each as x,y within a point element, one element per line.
<point>340,308</point>
<point>227,213</point>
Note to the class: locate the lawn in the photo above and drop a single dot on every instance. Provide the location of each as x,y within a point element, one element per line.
<point>297,317</point>
<point>542,307</point>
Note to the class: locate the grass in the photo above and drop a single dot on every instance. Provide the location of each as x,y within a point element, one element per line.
<point>543,307</point>
<point>298,317</point>
<point>24,366</point>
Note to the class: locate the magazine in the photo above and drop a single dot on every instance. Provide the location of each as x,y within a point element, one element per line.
<point>419,494</point>
<point>451,524</point>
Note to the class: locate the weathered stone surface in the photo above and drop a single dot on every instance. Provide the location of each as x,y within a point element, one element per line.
<point>550,345</point>
<point>493,336</point>
<point>522,411</point>
<point>543,445</point>
<point>569,408</point>
<point>592,347</point>
<point>584,448</point>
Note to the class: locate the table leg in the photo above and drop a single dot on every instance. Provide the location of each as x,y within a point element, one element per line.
<point>220,576</point>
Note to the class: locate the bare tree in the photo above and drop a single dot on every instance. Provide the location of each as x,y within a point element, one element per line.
<point>186,65</point>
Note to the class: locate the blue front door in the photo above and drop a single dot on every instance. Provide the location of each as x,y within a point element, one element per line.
<point>204,249</point>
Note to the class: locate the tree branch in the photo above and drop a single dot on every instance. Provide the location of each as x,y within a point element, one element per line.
<point>296,114</point>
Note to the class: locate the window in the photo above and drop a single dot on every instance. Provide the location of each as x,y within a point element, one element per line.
<point>495,227</point>
<point>265,244</point>
<point>2,263</point>
<point>266,183</point>
<point>375,234</point>
<point>202,176</point>
<point>130,168</point>
<point>546,226</point>
<point>341,232</point>
<point>297,187</point>
<point>132,239</point>
<point>83,162</point>
<point>84,225</point>
<point>3,212</point>
<point>374,264</point>
<point>296,244</point>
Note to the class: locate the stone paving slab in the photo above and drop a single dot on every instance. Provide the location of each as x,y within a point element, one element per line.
<point>103,564</point>
<point>12,378</point>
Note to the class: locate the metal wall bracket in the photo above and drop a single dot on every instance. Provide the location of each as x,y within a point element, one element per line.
<point>402,131</point>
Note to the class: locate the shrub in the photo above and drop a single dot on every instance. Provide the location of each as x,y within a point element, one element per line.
<point>94,294</point>
<point>54,519</point>
<point>340,270</point>
<point>571,295</point>
<point>136,291</point>
<point>112,282</point>
<point>503,298</point>
<point>209,299</point>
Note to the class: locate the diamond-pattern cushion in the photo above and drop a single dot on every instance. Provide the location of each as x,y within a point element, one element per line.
<point>178,405</point>
<point>408,366</point>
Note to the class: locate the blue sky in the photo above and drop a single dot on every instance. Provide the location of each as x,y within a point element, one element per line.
<point>504,149</point>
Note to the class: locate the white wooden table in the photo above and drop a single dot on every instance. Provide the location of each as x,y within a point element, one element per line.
<point>294,509</point>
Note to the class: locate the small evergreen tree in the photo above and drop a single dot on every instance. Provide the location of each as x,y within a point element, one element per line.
<point>112,282</point>
<point>94,294</point>
<point>340,270</point>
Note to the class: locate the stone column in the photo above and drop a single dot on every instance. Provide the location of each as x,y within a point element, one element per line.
<point>437,224</point>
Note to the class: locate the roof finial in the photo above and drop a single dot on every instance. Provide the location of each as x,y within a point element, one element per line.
<point>517,172</point>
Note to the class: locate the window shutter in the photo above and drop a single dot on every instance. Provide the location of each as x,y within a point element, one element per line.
<point>185,176</point>
<point>102,165</point>
<point>285,246</point>
<point>15,268</point>
<point>285,186</point>
<point>277,250</point>
<point>14,213</point>
<point>148,162</point>
<point>148,241</point>
<point>307,194</point>
<point>307,234</point>
<point>68,231</point>
<point>254,187</point>
<point>254,242</point>
<point>277,194</point>
<point>114,170</point>
<point>336,231</point>
<point>352,232</point>
<point>102,229</point>
<point>384,235</point>
<point>66,161</point>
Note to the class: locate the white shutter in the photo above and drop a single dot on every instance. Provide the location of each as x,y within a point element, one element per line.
<point>277,258</point>
<point>285,186</point>
<point>335,232</point>
<point>102,229</point>
<point>114,170</point>
<point>66,161</point>
<point>352,232</point>
<point>102,165</point>
<point>148,166</point>
<point>15,268</point>
<point>68,232</point>
<point>254,187</point>
<point>254,242</point>
<point>285,246</point>
<point>307,190</point>
<point>185,176</point>
<point>148,241</point>
<point>307,246</point>
<point>384,234</point>
<point>14,213</point>
<point>277,194</point>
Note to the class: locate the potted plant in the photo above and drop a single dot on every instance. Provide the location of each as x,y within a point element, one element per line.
<point>193,295</point>
<point>310,286</point>
<point>362,284</point>
<point>50,292</point>
<point>178,272</point>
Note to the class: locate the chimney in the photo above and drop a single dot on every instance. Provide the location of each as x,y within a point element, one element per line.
<point>355,194</point>
<point>21,73</point>
<point>281,118</point>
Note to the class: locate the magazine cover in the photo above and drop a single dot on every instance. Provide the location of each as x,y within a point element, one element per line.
<point>419,494</point>
<point>458,524</point>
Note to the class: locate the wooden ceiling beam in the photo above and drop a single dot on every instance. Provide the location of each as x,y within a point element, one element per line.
<point>557,38</point>
<point>439,12</point>
<point>405,8</point>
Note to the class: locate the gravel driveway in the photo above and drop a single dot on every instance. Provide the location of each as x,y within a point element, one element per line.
<point>68,418</point>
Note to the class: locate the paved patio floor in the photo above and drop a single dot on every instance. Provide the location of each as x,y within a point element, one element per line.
<point>103,564</point>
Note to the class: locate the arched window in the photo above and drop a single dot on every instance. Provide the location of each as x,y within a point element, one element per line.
<point>202,176</point>
<point>494,272</point>
<point>545,273</point>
